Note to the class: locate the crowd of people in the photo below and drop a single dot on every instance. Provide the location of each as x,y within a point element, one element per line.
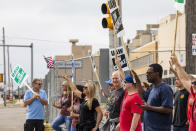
<point>131,105</point>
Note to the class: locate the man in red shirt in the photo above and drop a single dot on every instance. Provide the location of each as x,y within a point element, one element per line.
<point>190,84</point>
<point>130,111</point>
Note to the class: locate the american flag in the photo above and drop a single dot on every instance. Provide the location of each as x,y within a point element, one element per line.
<point>49,61</point>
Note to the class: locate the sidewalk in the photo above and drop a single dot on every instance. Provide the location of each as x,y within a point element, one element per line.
<point>18,103</point>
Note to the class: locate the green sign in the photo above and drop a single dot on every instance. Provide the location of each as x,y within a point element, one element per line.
<point>18,75</point>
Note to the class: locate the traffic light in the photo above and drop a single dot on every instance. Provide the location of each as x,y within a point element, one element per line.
<point>106,22</point>
<point>1,77</point>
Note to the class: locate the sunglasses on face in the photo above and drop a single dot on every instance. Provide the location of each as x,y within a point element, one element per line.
<point>194,82</point>
<point>38,83</point>
<point>149,73</point>
<point>85,87</point>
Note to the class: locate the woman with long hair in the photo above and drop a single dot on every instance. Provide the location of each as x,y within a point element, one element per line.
<point>90,111</point>
<point>64,105</point>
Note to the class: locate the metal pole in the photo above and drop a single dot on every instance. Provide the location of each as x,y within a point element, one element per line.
<point>31,62</point>
<point>12,82</point>
<point>8,55</point>
<point>4,63</point>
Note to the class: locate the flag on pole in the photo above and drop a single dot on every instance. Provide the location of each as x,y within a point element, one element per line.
<point>72,68</point>
<point>179,5</point>
<point>49,61</point>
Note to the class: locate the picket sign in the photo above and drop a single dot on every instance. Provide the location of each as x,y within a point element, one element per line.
<point>94,68</point>
<point>19,77</point>
<point>116,17</point>
<point>127,57</point>
<point>175,33</point>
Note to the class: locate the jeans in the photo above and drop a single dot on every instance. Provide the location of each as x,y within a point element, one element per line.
<point>73,128</point>
<point>181,128</point>
<point>60,119</point>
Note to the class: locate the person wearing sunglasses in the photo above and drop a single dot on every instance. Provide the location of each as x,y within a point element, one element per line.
<point>35,107</point>
<point>158,105</point>
<point>88,120</point>
<point>64,105</point>
<point>189,82</point>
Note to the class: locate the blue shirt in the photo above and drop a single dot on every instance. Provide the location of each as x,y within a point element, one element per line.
<point>36,108</point>
<point>158,96</point>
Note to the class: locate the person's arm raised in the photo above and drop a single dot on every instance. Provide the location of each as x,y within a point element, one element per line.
<point>122,74</point>
<point>72,86</point>
<point>183,76</point>
<point>138,84</point>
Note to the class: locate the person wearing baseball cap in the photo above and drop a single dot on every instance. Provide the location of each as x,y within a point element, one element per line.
<point>110,85</point>
<point>130,111</point>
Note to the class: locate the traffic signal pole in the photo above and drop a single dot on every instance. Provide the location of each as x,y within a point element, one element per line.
<point>190,11</point>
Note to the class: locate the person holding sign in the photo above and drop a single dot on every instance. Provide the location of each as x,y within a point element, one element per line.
<point>88,108</point>
<point>189,83</point>
<point>64,105</point>
<point>35,103</point>
<point>130,112</point>
<point>158,105</point>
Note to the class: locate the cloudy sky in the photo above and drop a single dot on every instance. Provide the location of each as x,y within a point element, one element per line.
<point>49,24</point>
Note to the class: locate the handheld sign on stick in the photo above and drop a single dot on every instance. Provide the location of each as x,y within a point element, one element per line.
<point>175,33</point>
<point>127,57</point>
<point>19,77</point>
<point>118,27</point>
<point>94,67</point>
<point>179,5</point>
<point>116,17</point>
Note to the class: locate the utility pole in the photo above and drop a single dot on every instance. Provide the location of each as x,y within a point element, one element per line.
<point>31,62</point>
<point>190,11</point>
<point>4,65</point>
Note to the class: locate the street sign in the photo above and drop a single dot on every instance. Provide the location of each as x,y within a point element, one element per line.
<point>1,78</point>
<point>68,64</point>
<point>18,75</point>
<point>121,57</point>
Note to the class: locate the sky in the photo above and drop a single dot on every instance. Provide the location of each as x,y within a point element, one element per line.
<point>50,24</point>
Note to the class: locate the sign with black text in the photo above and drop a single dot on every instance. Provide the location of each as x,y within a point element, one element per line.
<point>116,17</point>
<point>121,57</point>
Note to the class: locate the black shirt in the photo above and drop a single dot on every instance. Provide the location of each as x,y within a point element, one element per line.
<point>180,106</point>
<point>115,103</point>
<point>87,115</point>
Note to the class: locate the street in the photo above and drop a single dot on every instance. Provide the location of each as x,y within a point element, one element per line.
<point>12,116</point>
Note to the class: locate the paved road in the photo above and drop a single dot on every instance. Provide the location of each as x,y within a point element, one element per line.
<point>12,117</point>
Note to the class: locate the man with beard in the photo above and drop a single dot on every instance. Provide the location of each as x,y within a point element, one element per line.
<point>158,109</point>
